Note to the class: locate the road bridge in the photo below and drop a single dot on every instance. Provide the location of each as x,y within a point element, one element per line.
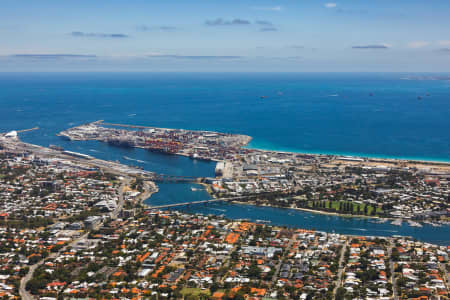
<point>195,202</point>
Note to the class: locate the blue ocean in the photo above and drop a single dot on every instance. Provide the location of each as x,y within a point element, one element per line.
<point>367,114</point>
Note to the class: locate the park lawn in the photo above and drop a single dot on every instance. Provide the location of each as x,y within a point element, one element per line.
<point>335,206</point>
<point>195,291</point>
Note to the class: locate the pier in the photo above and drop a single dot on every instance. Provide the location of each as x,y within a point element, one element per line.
<point>26,130</point>
<point>20,131</point>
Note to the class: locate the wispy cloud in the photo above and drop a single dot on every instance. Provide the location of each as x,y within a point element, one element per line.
<point>351,11</point>
<point>222,22</point>
<point>264,23</point>
<point>296,47</point>
<point>53,56</point>
<point>418,44</point>
<point>380,46</point>
<point>330,5</point>
<point>156,28</point>
<point>268,8</point>
<point>194,57</point>
<point>268,29</point>
<point>267,26</point>
<point>444,43</point>
<point>99,35</point>
<point>444,50</point>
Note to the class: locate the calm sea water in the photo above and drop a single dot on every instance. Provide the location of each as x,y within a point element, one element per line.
<point>361,114</point>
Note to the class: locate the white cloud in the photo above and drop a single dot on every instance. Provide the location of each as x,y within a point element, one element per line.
<point>444,43</point>
<point>269,8</point>
<point>418,44</point>
<point>330,5</point>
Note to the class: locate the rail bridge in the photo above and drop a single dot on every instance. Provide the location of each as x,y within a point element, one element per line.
<point>162,178</point>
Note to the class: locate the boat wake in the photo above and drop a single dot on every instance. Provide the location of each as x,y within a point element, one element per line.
<point>138,160</point>
<point>218,209</point>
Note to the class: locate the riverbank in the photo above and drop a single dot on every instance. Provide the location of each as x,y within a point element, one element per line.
<point>314,211</point>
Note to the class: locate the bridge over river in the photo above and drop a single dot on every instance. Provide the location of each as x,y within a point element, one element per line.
<point>229,199</point>
<point>175,178</point>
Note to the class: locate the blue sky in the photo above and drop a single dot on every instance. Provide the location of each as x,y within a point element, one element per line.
<point>225,35</point>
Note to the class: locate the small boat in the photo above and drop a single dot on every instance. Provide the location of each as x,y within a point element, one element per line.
<point>194,189</point>
<point>419,97</point>
<point>379,221</point>
<point>414,224</point>
<point>263,221</point>
<point>262,97</point>
<point>371,94</point>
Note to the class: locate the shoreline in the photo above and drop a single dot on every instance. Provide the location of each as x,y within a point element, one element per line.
<point>147,193</point>
<point>255,146</point>
<point>315,211</point>
<point>367,156</point>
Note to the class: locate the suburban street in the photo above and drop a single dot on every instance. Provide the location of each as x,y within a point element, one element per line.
<point>341,269</point>
<point>391,267</point>
<point>23,283</point>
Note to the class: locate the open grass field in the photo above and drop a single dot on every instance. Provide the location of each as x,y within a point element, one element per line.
<point>336,204</point>
<point>195,292</point>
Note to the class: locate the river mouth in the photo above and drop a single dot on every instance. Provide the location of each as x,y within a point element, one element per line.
<point>182,192</point>
<point>172,193</point>
<point>315,112</point>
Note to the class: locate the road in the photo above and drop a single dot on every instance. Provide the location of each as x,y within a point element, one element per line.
<point>391,267</point>
<point>278,267</point>
<point>115,214</point>
<point>111,167</point>
<point>340,269</point>
<point>23,283</point>
<point>445,277</point>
